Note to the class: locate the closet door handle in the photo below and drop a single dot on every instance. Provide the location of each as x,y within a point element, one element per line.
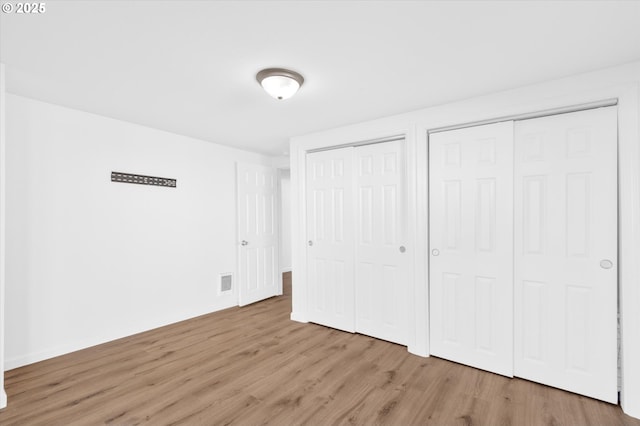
<point>435,252</point>
<point>606,264</point>
<point>244,243</point>
<point>402,249</point>
<point>310,243</point>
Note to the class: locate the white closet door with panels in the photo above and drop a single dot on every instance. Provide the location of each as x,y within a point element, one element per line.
<point>331,238</point>
<point>259,276</point>
<point>381,258</point>
<point>471,246</point>
<point>566,252</point>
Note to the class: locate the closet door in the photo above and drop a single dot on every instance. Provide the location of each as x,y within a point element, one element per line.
<point>331,237</point>
<point>471,246</point>
<point>381,258</point>
<point>566,252</point>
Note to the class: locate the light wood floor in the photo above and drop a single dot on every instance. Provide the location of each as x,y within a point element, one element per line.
<point>253,365</point>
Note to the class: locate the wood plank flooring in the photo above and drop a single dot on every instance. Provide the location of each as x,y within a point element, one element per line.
<point>252,365</point>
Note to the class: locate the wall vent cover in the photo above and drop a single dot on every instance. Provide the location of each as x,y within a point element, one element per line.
<point>225,282</point>
<point>142,179</point>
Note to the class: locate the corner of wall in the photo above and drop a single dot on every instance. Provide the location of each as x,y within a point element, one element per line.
<point>298,317</point>
<point>298,262</point>
<point>629,134</point>
<point>280,162</point>
<point>3,395</point>
<point>419,351</point>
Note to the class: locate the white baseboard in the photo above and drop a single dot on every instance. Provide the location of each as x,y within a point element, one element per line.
<point>631,411</point>
<point>3,399</point>
<point>418,351</point>
<point>33,357</point>
<point>298,318</point>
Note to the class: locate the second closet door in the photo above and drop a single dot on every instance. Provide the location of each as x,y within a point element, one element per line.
<point>566,245</point>
<point>381,258</point>
<point>471,243</point>
<point>330,238</point>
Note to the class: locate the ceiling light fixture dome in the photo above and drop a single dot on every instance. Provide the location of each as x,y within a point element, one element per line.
<point>279,82</point>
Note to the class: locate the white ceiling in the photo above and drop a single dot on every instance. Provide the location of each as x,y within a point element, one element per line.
<point>189,66</point>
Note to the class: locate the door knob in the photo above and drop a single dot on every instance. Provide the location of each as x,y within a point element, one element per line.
<point>606,264</point>
<point>402,249</point>
<point>310,243</point>
<point>244,243</point>
<point>435,252</point>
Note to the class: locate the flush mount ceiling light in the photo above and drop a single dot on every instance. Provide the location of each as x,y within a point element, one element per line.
<point>279,82</point>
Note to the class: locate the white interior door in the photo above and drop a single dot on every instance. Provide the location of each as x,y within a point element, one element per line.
<point>258,273</point>
<point>471,246</point>
<point>566,252</point>
<point>381,258</point>
<point>330,234</point>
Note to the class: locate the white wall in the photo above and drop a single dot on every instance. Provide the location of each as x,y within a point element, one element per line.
<point>285,219</point>
<point>89,260</point>
<point>3,395</point>
<point>621,83</point>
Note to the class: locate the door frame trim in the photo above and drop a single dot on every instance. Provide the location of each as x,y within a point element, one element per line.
<point>359,143</point>
<point>529,116</point>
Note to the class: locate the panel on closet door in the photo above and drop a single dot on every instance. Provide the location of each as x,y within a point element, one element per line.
<point>471,246</point>
<point>381,263</point>
<point>566,252</point>
<point>330,237</point>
